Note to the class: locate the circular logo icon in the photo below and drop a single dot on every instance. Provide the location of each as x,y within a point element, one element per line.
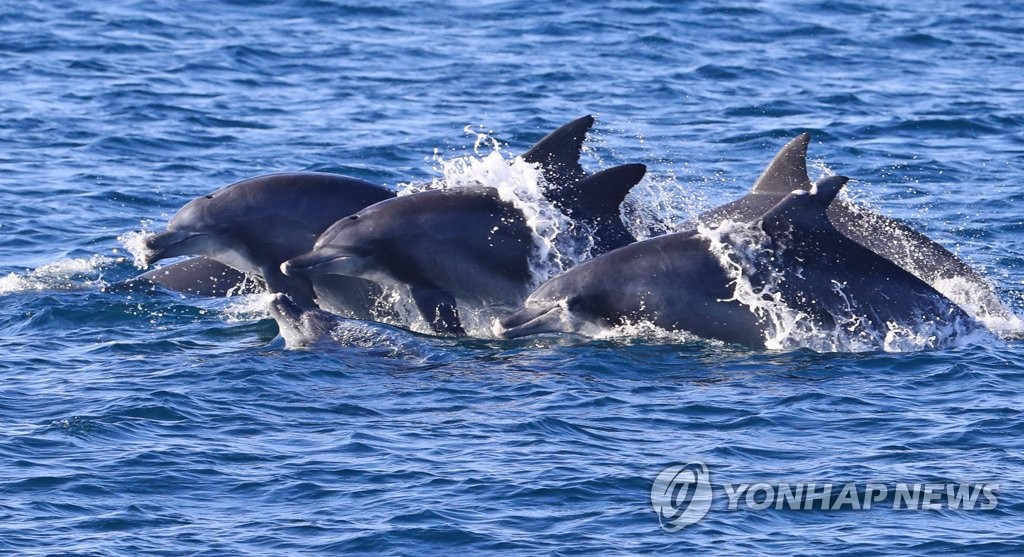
<point>681,495</point>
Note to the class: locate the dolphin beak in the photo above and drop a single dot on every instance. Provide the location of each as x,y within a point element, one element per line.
<point>167,244</point>
<point>281,306</point>
<point>531,321</point>
<point>315,262</point>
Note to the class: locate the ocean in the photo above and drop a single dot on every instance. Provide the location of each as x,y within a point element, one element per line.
<point>135,423</point>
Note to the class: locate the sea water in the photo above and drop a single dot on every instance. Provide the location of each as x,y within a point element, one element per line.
<point>154,423</point>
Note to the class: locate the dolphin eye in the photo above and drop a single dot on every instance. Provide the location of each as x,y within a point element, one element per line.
<point>208,196</point>
<point>576,304</point>
<point>354,217</point>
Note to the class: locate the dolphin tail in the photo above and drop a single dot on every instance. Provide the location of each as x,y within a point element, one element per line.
<point>558,152</point>
<point>595,200</point>
<point>788,170</point>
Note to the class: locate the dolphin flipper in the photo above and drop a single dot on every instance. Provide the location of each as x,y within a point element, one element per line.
<point>199,276</point>
<point>439,309</point>
<point>558,153</point>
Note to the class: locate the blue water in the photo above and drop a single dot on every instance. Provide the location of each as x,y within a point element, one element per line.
<point>157,424</point>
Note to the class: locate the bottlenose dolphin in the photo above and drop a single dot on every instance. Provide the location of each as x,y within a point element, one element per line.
<point>462,244</point>
<point>887,237</point>
<point>256,224</point>
<point>678,282</point>
<point>301,327</point>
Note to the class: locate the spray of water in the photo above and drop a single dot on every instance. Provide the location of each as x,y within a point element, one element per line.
<point>66,274</point>
<point>981,303</point>
<point>134,242</point>
<point>657,206</point>
<point>247,307</point>
<point>559,242</point>
<point>740,247</point>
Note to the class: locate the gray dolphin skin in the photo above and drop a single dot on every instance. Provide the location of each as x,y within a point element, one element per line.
<point>885,236</point>
<point>252,226</point>
<point>255,224</point>
<point>199,276</point>
<point>787,254</point>
<point>301,327</point>
<point>462,244</point>
<point>677,283</point>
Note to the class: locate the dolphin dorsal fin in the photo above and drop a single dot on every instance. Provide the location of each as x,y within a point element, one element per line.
<point>595,201</point>
<point>599,194</point>
<point>788,170</point>
<point>558,152</point>
<point>805,209</point>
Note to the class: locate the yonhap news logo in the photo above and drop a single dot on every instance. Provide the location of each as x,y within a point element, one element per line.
<point>682,494</point>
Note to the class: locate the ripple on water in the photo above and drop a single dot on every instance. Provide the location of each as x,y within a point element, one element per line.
<point>141,422</point>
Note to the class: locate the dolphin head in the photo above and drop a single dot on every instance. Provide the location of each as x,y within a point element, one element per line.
<point>533,319</point>
<point>353,261</point>
<point>546,315</point>
<point>255,224</point>
<point>346,248</point>
<point>558,306</point>
<point>204,226</point>
<point>301,327</point>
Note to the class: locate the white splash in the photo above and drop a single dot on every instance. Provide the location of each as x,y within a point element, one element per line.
<point>648,332</point>
<point>738,248</point>
<point>979,301</point>
<point>66,274</point>
<point>396,306</point>
<point>246,308</point>
<point>993,314</point>
<point>135,242</point>
<point>559,242</point>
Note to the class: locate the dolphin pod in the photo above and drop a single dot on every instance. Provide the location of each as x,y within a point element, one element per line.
<point>256,224</point>
<point>787,254</point>
<point>461,246</point>
<point>678,282</point>
<point>887,237</point>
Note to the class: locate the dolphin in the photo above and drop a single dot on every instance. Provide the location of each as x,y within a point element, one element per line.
<point>885,236</point>
<point>301,327</point>
<point>461,245</point>
<point>678,282</point>
<point>254,225</point>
